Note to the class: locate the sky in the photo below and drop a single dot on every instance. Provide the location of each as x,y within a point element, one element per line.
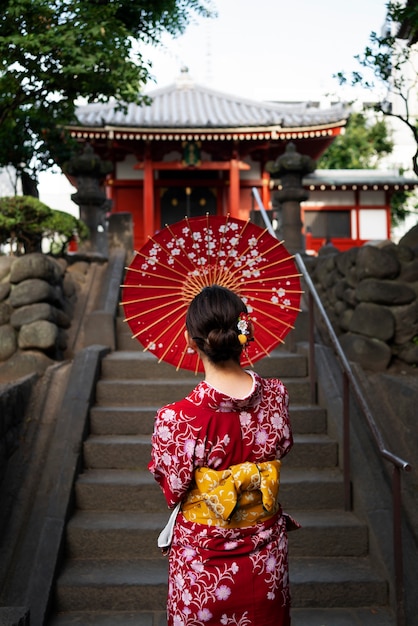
<point>272,49</point>
<point>261,50</point>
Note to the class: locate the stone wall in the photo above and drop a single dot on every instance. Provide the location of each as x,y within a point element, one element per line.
<point>37,298</point>
<point>370,294</point>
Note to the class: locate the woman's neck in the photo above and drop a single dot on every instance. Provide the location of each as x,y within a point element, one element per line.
<point>228,378</point>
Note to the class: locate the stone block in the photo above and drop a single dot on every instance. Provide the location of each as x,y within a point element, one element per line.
<point>36,265</point>
<point>35,290</point>
<point>373,320</point>
<point>8,341</point>
<point>372,354</point>
<point>42,335</point>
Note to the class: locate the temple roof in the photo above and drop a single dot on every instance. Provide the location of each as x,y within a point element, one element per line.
<point>186,105</point>
<point>359,179</point>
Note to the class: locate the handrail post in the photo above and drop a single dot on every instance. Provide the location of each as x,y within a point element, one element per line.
<point>312,371</point>
<point>346,443</point>
<point>397,546</point>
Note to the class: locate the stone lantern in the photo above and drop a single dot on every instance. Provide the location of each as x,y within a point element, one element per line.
<point>89,172</point>
<point>290,168</point>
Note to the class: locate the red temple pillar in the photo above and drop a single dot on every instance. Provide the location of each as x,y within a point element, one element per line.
<point>148,225</point>
<point>265,189</point>
<point>234,188</point>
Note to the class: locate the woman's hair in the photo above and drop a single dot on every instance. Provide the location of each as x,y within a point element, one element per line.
<point>212,320</point>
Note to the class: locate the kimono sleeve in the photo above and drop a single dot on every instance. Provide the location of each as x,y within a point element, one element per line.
<point>173,447</point>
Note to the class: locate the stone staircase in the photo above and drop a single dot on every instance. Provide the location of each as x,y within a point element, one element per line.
<point>113,573</point>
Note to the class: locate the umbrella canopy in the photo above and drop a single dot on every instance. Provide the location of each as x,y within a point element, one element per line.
<point>180,260</point>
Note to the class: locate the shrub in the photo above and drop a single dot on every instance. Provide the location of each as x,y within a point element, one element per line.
<point>25,222</point>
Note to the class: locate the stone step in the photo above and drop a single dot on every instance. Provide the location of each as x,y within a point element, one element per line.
<point>141,584</point>
<point>116,535</point>
<point>135,490</point>
<point>139,420</point>
<point>164,391</point>
<point>369,616</point>
<point>336,582</point>
<point>131,365</point>
<point>134,451</point>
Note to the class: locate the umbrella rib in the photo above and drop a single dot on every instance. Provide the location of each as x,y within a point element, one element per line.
<point>281,306</point>
<point>156,308</point>
<point>168,252</point>
<point>190,232</point>
<point>160,264</point>
<point>277,319</point>
<point>160,319</point>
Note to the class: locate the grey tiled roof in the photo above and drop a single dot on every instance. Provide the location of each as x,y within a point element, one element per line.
<point>185,105</point>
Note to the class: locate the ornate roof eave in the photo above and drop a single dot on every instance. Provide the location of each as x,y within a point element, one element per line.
<point>213,134</point>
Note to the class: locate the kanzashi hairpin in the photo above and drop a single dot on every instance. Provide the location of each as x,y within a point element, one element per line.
<point>244,328</point>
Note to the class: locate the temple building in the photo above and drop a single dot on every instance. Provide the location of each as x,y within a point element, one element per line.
<point>194,150</point>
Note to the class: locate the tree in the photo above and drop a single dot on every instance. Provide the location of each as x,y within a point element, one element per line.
<point>25,222</point>
<point>53,52</point>
<point>390,68</point>
<point>361,147</point>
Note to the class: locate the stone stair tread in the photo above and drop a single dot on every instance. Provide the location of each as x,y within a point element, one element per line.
<point>330,517</point>
<point>99,572</point>
<point>108,618</point>
<point>140,520</point>
<point>333,569</point>
<point>127,440</point>
<point>367,616</point>
<point>133,476</point>
<point>363,616</point>
<point>116,476</point>
<point>128,520</point>
<point>114,572</point>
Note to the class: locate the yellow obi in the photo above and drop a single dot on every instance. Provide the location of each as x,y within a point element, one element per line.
<point>235,497</point>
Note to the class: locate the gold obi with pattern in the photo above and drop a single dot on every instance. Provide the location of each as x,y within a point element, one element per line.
<point>241,495</point>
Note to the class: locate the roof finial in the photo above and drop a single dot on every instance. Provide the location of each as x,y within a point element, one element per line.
<point>184,81</point>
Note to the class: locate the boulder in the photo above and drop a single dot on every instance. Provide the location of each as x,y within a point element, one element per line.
<point>39,311</point>
<point>389,292</point>
<point>375,262</point>
<point>408,353</point>
<point>4,291</point>
<point>21,364</point>
<point>406,322</point>
<point>372,354</point>
<point>8,341</point>
<point>35,290</point>
<point>372,320</point>
<point>6,263</point>
<point>5,313</point>
<point>41,335</point>
<point>410,239</point>
<point>36,265</point>
<point>409,271</point>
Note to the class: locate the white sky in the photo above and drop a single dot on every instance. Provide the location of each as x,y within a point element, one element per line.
<point>272,49</point>
<point>262,50</point>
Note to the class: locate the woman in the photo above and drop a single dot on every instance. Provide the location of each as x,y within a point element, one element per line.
<point>216,451</point>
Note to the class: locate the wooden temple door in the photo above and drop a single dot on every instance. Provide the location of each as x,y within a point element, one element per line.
<point>188,201</point>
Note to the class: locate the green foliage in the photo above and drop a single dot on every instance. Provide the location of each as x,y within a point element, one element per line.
<point>401,206</point>
<point>53,52</point>
<point>25,222</point>
<point>361,147</point>
<point>389,67</point>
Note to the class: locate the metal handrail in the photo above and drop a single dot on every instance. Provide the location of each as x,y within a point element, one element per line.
<point>350,382</point>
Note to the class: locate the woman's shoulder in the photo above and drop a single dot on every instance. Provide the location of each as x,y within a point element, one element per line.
<point>272,384</point>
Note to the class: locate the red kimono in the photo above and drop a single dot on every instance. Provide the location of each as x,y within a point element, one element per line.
<point>221,575</point>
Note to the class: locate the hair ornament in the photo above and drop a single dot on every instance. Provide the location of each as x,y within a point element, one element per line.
<point>244,328</point>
